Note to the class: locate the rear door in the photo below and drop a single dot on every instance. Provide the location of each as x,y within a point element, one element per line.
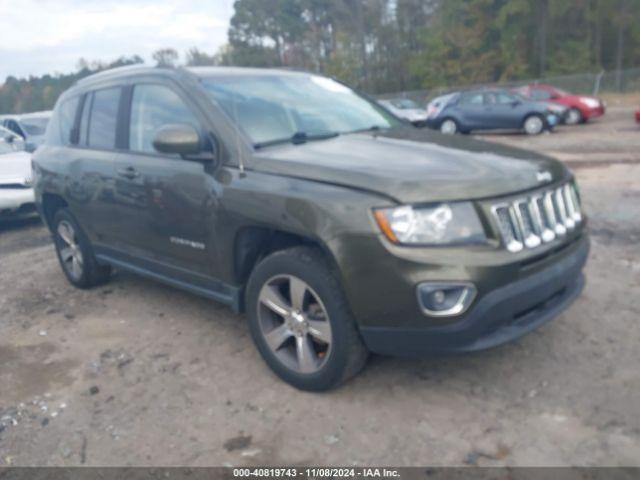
<point>164,204</point>
<point>471,110</point>
<point>91,163</point>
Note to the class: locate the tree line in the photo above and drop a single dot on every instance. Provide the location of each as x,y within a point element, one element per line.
<point>393,45</point>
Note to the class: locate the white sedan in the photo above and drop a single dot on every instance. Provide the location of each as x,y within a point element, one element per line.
<point>16,192</point>
<point>407,109</point>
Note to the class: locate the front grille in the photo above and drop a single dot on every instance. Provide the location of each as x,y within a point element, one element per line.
<point>541,217</point>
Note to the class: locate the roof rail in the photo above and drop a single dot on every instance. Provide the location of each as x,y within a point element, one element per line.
<point>113,72</point>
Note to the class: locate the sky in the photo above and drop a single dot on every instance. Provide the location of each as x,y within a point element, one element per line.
<point>50,36</point>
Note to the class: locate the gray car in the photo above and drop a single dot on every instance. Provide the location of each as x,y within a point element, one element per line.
<point>490,109</point>
<point>30,126</point>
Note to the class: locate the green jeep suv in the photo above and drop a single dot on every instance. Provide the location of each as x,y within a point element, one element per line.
<point>339,229</point>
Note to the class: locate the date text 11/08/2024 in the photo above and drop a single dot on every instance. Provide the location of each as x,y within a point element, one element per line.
<point>316,472</point>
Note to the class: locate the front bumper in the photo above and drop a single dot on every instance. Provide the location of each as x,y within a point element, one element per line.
<point>16,202</point>
<point>595,112</point>
<point>500,316</point>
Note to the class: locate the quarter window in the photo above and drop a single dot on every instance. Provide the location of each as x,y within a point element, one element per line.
<point>152,107</point>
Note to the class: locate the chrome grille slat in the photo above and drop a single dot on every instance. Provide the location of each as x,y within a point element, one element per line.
<point>530,221</point>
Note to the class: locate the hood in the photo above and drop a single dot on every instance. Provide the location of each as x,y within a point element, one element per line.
<point>412,165</point>
<point>15,168</point>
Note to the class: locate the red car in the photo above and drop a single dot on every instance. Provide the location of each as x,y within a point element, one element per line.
<point>638,116</point>
<point>581,107</point>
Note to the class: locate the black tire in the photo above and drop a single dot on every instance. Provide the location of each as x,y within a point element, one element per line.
<point>574,117</point>
<point>541,124</point>
<point>91,273</point>
<point>449,131</point>
<point>348,354</point>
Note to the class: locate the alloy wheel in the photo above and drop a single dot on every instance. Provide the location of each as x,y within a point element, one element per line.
<point>574,117</point>
<point>69,249</point>
<point>294,323</point>
<point>448,127</point>
<point>533,125</point>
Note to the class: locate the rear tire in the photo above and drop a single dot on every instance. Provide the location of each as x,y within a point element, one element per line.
<point>574,117</point>
<point>310,338</point>
<point>534,124</point>
<point>75,253</point>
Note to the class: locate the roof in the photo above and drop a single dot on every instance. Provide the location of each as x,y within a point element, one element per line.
<point>122,72</point>
<point>115,73</point>
<point>230,71</point>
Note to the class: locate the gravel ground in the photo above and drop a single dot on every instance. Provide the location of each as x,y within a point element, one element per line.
<point>136,373</point>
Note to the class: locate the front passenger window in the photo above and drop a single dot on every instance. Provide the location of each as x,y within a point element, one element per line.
<point>152,107</point>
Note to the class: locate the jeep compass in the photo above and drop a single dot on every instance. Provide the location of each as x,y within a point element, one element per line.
<point>338,228</point>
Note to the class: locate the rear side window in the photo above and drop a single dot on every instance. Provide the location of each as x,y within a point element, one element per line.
<point>99,119</point>
<point>67,119</point>
<point>471,99</point>
<point>152,107</point>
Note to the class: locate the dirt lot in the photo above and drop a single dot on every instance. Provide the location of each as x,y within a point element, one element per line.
<point>135,373</point>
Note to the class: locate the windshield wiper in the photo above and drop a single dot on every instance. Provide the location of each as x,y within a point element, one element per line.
<point>297,139</point>
<point>372,128</point>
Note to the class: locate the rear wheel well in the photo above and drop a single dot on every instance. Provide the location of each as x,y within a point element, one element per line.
<point>51,203</point>
<point>252,244</point>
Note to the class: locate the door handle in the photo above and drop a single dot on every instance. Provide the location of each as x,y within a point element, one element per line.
<point>128,172</point>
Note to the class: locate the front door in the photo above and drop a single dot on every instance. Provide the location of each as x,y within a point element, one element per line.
<point>164,203</point>
<point>506,109</point>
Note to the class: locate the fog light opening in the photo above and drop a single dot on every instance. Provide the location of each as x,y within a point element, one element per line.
<point>445,299</point>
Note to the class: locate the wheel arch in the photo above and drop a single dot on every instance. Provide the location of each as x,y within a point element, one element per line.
<point>51,203</point>
<point>254,243</point>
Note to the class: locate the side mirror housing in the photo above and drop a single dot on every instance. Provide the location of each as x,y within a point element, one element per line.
<point>177,139</point>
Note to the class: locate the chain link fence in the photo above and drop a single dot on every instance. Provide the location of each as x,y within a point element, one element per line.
<point>620,81</point>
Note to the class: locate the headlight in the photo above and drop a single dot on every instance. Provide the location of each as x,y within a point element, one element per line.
<point>590,102</point>
<point>440,224</point>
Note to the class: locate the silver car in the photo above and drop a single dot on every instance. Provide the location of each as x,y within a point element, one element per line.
<point>16,191</point>
<point>406,109</point>
<point>30,126</point>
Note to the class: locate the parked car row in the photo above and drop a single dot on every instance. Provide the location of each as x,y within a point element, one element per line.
<point>533,108</point>
<point>19,136</point>
<point>16,191</point>
<point>30,126</point>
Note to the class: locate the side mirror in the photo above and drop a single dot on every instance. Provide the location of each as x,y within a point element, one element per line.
<point>177,139</point>
<point>515,103</point>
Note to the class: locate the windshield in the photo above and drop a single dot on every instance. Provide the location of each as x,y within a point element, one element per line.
<point>274,107</point>
<point>34,126</point>
<point>404,104</point>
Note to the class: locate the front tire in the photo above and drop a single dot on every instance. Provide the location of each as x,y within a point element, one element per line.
<point>75,253</point>
<point>534,125</point>
<point>574,117</point>
<point>300,320</point>
<point>449,126</point>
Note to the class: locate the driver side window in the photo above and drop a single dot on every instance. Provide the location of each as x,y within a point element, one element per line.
<point>152,107</point>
